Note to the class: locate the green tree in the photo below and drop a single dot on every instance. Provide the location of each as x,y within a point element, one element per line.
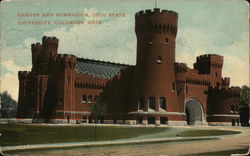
<point>245,95</point>
<point>98,110</point>
<point>8,106</point>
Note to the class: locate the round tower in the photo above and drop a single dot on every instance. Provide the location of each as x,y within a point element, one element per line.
<point>155,71</point>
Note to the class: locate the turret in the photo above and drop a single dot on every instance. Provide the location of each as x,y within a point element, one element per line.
<point>156,31</point>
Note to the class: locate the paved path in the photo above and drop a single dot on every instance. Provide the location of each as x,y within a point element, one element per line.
<point>228,142</point>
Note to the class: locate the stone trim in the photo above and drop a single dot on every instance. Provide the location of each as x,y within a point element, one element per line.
<point>159,113</point>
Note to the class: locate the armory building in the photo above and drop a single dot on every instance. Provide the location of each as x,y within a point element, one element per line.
<point>157,90</point>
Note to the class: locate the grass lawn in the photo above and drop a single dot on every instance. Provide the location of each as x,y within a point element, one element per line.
<point>18,134</point>
<point>21,134</point>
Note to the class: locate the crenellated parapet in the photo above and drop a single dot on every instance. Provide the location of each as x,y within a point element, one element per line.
<point>205,63</point>
<point>156,21</point>
<point>193,77</point>
<point>231,92</point>
<point>181,67</point>
<point>44,52</point>
<point>69,61</point>
<point>225,82</point>
<point>24,75</point>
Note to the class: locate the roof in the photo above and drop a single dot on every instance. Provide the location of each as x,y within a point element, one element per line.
<point>98,68</point>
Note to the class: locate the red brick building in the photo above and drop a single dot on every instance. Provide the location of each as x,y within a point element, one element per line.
<point>157,90</point>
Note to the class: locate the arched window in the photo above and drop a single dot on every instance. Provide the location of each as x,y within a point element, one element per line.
<point>84,99</point>
<point>186,89</point>
<point>141,103</point>
<point>61,101</point>
<point>162,103</point>
<point>166,41</point>
<point>232,109</point>
<point>159,60</point>
<point>173,86</point>
<point>152,103</point>
<point>90,99</point>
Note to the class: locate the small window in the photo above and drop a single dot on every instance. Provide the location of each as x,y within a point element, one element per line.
<point>186,89</point>
<point>151,41</point>
<point>152,102</point>
<point>90,99</point>
<point>84,99</point>
<point>141,103</point>
<point>68,80</point>
<point>232,108</point>
<point>218,84</point>
<point>61,101</point>
<point>173,86</point>
<point>215,74</point>
<point>95,99</point>
<point>236,109</point>
<point>166,41</point>
<point>162,103</point>
<point>159,60</point>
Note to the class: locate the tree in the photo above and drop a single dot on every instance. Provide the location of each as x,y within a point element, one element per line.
<point>97,110</point>
<point>8,106</point>
<point>245,95</point>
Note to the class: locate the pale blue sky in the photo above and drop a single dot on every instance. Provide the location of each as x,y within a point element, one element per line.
<point>206,26</point>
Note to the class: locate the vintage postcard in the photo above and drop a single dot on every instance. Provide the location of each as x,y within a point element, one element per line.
<point>116,77</point>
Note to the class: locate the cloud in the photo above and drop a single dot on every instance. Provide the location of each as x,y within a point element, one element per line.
<point>113,40</point>
<point>9,81</point>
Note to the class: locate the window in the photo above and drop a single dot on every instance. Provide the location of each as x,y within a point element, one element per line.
<point>90,99</point>
<point>166,41</point>
<point>61,101</point>
<point>162,103</point>
<point>159,60</point>
<point>95,99</point>
<point>68,80</point>
<point>152,102</point>
<point>236,109</point>
<point>151,41</point>
<point>186,89</point>
<point>173,86</point>
<point>215,74</point>
<point>141,103</point>
<point>84,99</point>
<point>232,108</point>
<point>218,84</point>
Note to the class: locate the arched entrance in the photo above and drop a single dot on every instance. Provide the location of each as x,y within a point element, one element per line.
<point>194,112</point>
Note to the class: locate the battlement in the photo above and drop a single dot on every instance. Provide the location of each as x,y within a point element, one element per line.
<point>214,59</point>
<point>225,82</point>
<point>50,41</point>
<point>156,11</point>
<point>232,91</point>
<point>156,21</point>
<point>23,75</point>
<point>66,59</point>
<point>194,77</point>
<point>181,67</point>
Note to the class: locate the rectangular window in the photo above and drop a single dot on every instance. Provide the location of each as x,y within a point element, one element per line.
<point>173,86</point>
<point>236,109</point>
<point>162,103</point>
<point>141,103</point>
<point>152,103</point>
<point>90,99</point>
<point>61,101</point>
<point>68,80</point>
<point>232,108</point>
<point>84,99</point>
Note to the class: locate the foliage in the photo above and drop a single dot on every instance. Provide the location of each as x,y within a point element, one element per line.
<point>98,109</point>
<point>245,95</point>
<point>8,105</point>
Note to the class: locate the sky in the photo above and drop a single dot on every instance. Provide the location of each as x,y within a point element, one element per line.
<point>204,27</point>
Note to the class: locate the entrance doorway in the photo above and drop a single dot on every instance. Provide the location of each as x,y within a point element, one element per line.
<point>194,112</point>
